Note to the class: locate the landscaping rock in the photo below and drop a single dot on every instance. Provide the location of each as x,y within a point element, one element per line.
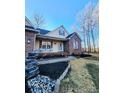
<point>32,55</point>
<point>31,68</point>
<point>41,84</point>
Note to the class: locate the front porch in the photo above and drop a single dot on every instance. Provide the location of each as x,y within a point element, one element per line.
<point>49,45</point>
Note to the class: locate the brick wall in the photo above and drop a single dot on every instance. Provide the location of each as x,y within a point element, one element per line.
<point>69,45</point>
<point>29,47</point>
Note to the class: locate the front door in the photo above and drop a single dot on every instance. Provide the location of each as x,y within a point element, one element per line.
<point>55,46</point>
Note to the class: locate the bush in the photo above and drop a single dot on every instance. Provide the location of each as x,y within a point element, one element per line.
<point>53,55</point>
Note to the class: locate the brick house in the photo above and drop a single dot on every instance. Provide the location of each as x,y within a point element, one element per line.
<point>73,44</point>
<point>30,36</point>
<point>45,41</point>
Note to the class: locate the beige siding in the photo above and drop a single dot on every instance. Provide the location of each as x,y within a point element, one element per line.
<point>37,44</point>
<point>55,33</point>
<point>55,45</point>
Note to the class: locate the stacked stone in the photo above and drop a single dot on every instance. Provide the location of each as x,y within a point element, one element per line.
<point>36,83</point>
<point>32,55</point>
<point>42,84</point>
<point>31,66</point>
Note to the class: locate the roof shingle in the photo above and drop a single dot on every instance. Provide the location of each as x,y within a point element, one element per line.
<point>43,31</point>
<point>30,28</point>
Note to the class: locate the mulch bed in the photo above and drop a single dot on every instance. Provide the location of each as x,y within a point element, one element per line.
<point>53,70</point>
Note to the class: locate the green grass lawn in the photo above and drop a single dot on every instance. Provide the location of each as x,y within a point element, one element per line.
<point>83,77</point>
<point>94,72</point>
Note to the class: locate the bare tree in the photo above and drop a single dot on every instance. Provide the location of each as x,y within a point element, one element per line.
<point>87,20</point>
<point>94,23</point>
<point>83,30</point>
<point>38,20</point>
<point>74,28</point>
<point>84,25</point>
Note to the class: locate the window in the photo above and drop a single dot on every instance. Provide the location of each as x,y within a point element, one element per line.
<point>75,44</point>
<point>60,46</point>
<point>46,45</point>
<point>43,46</point>
<point>61,32</point>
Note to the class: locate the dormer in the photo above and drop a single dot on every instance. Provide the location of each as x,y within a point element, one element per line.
<point>60,32</point>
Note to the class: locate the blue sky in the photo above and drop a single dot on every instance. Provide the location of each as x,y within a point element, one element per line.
<point>56,12</point>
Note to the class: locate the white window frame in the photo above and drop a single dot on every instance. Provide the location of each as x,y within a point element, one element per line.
<point>46,44</point>
<point>75,44</point>
<point>61,46</point>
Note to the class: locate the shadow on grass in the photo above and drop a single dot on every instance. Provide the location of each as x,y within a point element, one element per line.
<point>92,58</point>
<point>94,72</point>
<point>88,56</point>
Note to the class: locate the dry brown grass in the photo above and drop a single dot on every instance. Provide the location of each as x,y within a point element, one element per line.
<point>79,80</point>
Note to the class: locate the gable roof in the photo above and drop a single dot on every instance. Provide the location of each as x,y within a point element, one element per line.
<point>29,26</point>
<point>71,35</point>
<point>61,27</point>
<point>58,28</point>
<point>28,21</point>
<point>43,31</point>
<point>31,29</point>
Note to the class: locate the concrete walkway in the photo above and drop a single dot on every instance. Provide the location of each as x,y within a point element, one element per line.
<point>56,60</point>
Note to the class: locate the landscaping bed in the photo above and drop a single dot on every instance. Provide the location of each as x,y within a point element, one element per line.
<point>48,74</point>
<point>52,55</point>
<point>53,70</point>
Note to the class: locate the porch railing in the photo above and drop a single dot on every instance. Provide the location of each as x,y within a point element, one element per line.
<point>41,50</point>
<point>46,50</point>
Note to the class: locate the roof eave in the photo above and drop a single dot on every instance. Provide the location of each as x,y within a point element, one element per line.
<point>51,38</point>
<point>33,30</point>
